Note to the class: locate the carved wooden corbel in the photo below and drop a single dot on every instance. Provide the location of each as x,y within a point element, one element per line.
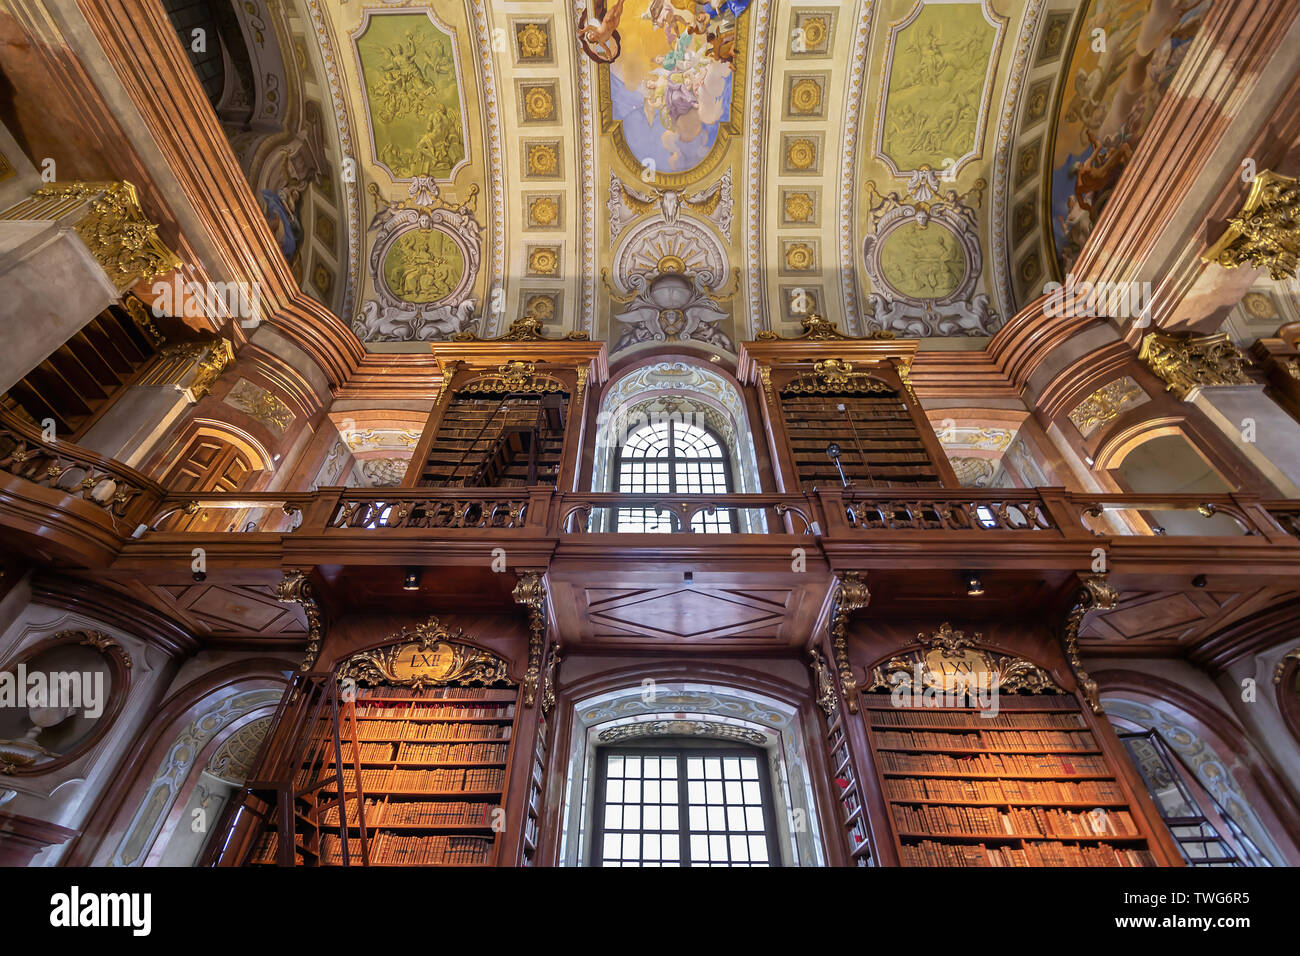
<point>851,594</point>
<point>531,592</point>
<point>824,684</point>
<point>296,588</point>
<point>548,683</point>
<point>1094,594</point>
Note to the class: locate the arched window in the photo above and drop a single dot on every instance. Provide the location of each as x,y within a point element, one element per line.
<point>672,457</point>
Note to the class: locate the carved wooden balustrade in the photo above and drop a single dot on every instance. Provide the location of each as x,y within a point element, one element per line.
<point>52,489</point>
<point>77,503</point>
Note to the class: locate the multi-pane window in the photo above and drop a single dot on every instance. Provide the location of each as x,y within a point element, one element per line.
<point>672,457</point>
<point>683,808</point>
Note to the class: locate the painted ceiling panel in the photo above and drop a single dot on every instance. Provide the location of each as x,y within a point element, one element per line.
<point>673,172</point>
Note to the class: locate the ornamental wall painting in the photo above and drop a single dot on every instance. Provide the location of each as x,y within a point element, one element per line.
<point>670,80</point>
<point>410,69</point>
<point>1110,91</point>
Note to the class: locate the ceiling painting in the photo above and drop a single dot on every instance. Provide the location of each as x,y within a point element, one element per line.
<point>671,82</point>
<point>410,71</point>
<point>1124,58</point>
<point>659,172</point>
<point>940,64</point>
<point>427,167</point>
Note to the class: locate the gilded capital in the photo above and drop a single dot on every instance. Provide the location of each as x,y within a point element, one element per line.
<point>1186,362</point>
<point>1265,234</point>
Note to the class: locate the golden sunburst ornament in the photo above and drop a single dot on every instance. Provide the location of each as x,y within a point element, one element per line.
<point>540,307</point>
<point>534,44</point>
<point>544,211</point>
<point>538,103</point>
<point>805,96</point>
<point>814,32</point>
<point>543,159</point>
<point>801,154</point>
<point>798,207</point>
<point>544,260</point>
<point>799,256</point>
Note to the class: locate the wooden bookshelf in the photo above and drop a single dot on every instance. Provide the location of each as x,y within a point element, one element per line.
<point>425,768</point>
<point>485,439</point>
<point>1031,786</point>
<point>880,446</point>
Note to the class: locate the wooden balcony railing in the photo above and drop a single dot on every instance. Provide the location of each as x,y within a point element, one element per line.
<point>543,512</point>
<point>84,483</point>
<point>113,492</point>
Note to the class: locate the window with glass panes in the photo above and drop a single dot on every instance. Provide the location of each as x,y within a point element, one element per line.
<point>683,807</point>
<point>672,457</point>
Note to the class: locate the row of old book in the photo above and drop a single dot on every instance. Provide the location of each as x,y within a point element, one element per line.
<point>469,753</point>
<point>1032,765</point>
<point>436,693</point>
<point>413,711</point>
<point>429,781</point>
<point>908,717</point>
<point>397,849</point>
<point>1004,791</point>
<point>932,853</point>
<point>268,845</point>
<point>456,731</point>
<point>987,740</point>
<point>1018,821</point>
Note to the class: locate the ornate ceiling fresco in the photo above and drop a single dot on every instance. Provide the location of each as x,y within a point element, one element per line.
<point>661,171</point>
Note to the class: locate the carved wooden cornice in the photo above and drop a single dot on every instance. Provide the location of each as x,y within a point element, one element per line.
<point>1095,593</point>
<point>819,329</point>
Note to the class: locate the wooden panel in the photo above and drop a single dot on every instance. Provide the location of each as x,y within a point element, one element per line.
<point>224,611</point>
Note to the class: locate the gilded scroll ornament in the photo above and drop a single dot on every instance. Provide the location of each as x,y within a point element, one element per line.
<point>946,654</point>
<point>1287,658</point>
<point>516,376</point>
<point>824,683</point>
<point>115,230</point>
<point>143,319</point>
<point>219,355</point>
<point>531,592</point>
<point>551,675</point>
<point>524,329</point>
<point>1106,404</point>
<point>1094,594</point>
<point>835,376</point>
<point>1187,362</point>
<point>851,595</point>
<point>427,655</point>
<point>296,588</point>
<point>765,375</point>
<point>1266,233</point>
<point>816,328</point>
